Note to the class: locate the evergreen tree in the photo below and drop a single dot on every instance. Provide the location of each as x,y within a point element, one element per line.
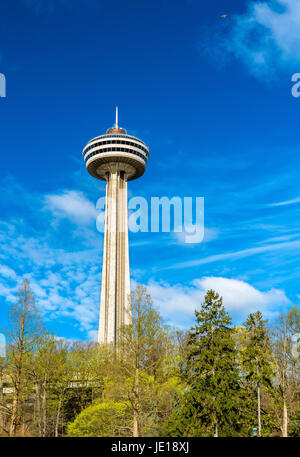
<point>211,374</point>
<point>256,359</point>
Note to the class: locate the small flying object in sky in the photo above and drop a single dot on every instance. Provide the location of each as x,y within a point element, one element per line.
<point>224,16</point>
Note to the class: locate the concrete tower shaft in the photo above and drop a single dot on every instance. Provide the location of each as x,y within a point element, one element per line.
<point>115,307</point>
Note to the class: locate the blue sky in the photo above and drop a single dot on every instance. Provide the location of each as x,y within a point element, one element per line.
<point>212,99</point>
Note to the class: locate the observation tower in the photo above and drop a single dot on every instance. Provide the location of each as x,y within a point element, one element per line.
<point>116,158</point>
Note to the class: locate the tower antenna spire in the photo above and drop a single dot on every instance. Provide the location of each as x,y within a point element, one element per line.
<point>117,118</point>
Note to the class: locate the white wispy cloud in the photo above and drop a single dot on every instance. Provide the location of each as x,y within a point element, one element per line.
<point>93,335</point>
<point>267,37</point>
<point>177,303</point>
<point>290,245</point>
<point>287,202</point>
<point>7,272</point>
<point>196,234</point>
<point>66,284</point>
<point>72,205</point>
<point>276,239</point>
<point>64,273</point>
<point>8,292</point>
<point>242,298</point>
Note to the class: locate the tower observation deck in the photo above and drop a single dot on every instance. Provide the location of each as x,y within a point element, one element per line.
<point>116,158</point>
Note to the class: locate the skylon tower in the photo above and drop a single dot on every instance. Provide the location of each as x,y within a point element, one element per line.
<point>116,158</point>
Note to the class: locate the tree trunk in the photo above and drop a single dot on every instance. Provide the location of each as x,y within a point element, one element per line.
<point>258,410</point>
<point>136,405</point>
<point>57,418</point>
<point>135,433</point>
<point>38,408</point>
<point>23,428</point>
<point>19,365</point>
<point>44,410</point>
<point>216,430</point>
<point>16,400</point>
<point>14,412</point>
<point>284,419</point>
<point>214,398</point>
<point>284,386</point>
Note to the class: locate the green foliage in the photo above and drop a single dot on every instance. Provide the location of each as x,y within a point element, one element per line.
<point>157,382</point>
<point>256,356</point>
<point>257,368</point>
<point>294,428</point>
<point>144,352</point>
<point>109,418</point>
<point>210,373</point>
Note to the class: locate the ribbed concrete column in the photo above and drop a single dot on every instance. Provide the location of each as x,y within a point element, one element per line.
<point>115,307</point>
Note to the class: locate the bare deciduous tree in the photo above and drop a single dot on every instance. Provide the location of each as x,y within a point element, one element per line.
<point>26,331</point>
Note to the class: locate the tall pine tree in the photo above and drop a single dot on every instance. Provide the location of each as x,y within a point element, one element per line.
<point>211,374</point>
<point>256,359</point>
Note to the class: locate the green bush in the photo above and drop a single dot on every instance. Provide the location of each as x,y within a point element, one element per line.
<point>109,418</point>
